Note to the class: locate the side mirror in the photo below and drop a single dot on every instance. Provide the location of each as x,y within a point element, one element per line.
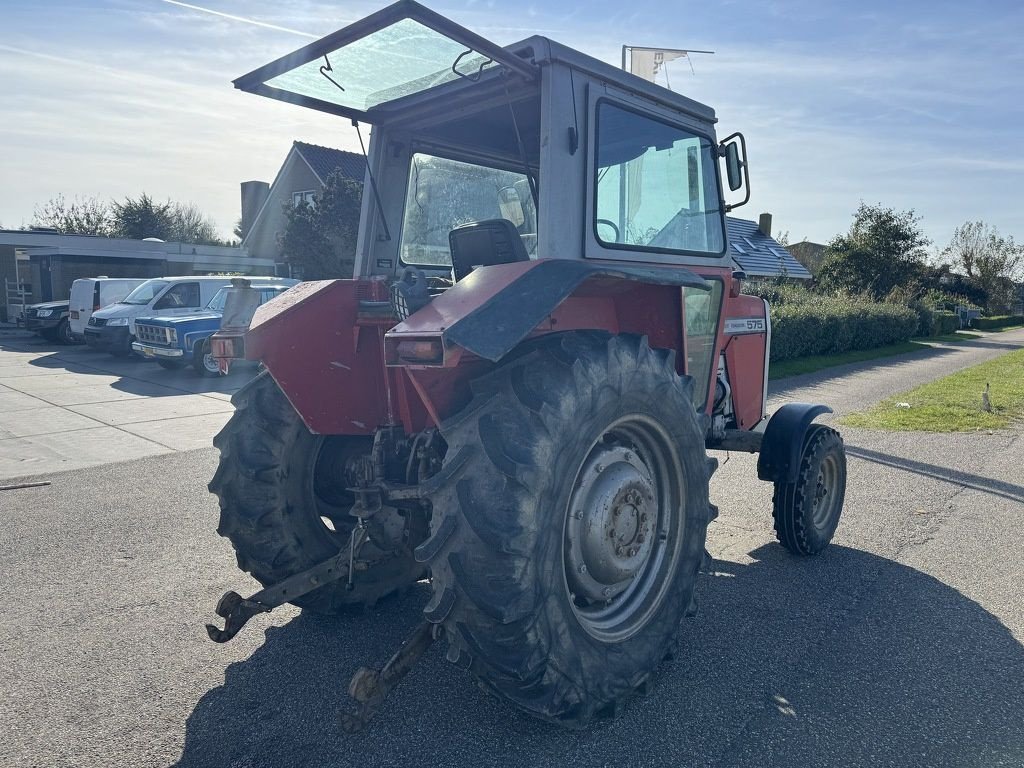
<point>737,172</point>
<point>511,206</point>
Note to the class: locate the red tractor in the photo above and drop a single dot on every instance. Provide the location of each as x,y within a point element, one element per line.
<point>516,393</point>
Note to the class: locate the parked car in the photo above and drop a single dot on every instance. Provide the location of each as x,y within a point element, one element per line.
<point>89,294</point>
<point>175,342</point>
<point>49,320</point>
<point>112,329</point>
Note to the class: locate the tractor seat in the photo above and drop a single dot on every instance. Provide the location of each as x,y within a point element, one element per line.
<point>483,243</point>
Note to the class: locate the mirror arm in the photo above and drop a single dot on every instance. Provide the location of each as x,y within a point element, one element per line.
<point>743,165</point>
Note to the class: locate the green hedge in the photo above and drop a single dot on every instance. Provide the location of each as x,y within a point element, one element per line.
<point>996,322</point>
<point>946,323</point>
<point>833,325</point>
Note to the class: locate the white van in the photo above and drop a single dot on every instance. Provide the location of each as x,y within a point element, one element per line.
<point>92,293</point>
<point>112,329</point>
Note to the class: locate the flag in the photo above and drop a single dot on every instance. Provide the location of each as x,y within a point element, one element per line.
<point>648,62</point>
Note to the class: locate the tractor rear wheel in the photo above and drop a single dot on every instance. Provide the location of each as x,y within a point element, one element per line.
<point>565,544</point>
<point>807,511</point>
<point>285,508</point>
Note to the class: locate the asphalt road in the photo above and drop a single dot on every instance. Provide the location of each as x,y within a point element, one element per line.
<point>901,645</point>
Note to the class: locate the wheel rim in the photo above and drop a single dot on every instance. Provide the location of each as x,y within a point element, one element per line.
<point>825,497</point>
<point>209,362</point>
<point>623,529</point>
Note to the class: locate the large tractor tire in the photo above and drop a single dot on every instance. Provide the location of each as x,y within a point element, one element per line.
<point>807,511</point>
<point>284,507</point>
<point>566,541</point>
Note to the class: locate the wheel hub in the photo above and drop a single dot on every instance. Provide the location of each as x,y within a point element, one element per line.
<point>611,525</point>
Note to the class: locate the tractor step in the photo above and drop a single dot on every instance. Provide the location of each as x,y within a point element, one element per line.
<point>237,610</point>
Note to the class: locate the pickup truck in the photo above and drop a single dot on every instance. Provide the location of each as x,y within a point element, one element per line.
<point>181,340</point>
<point>49,320</point>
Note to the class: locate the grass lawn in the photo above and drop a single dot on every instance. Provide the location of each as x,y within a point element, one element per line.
<point>784,368</point>
<point>953,403</point>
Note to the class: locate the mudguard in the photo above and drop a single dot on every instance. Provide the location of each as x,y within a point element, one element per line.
<point>784,439</point>
<point>492,310</point>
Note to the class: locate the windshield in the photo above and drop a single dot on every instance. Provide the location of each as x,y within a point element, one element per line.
<point>145,292</point>
<point>444,193</point>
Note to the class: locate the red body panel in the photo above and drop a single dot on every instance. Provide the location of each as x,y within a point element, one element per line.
<point>328,356</point>
<point>327,360</point>
<point>745,361</point>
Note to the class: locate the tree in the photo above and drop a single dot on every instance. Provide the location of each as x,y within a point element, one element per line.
<point>142,218</point>
<point>191,225</point>
<point>176,222</point>
<point>82,216</point>
<point>320,238</point>
<point>989,260</point>
<point>884,249</point>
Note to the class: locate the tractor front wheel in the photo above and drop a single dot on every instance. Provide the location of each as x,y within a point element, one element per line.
<point>565,544</point>
<point>807,510</point>
<point>284,504</point>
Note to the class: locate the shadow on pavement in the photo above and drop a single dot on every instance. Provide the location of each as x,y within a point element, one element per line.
<point>945,474</point>
<point>844,659</point>
<point>136,376</point>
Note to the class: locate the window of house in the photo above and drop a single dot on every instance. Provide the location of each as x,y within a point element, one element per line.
<point>308,197</point>
<point>657,187</point>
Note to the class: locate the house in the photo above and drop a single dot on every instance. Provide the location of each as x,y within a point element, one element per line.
<point>301,177</point>
<point>757,253</point>
<point>41,264</point>
<point>809,254</point>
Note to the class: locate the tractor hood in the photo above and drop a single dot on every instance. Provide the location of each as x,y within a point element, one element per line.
<point>175,322</point>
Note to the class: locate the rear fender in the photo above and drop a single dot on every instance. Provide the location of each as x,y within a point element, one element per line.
<point>326,355</point>
<point>490,312</point>
<point>783,441</point>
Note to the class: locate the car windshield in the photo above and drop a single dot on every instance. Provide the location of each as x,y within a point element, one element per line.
<point>145,292</point>
<point>445,193</point>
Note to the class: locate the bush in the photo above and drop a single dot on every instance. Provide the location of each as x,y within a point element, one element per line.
<point>946,323</point>
<point>777,293</point>
<point>927,319</point>
<point>996,322</point>
<point>832,325</point>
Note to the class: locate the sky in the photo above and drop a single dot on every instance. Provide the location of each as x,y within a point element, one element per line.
<point>909,104</point>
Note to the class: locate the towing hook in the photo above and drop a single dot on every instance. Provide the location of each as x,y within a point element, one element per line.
<point>236,611</point>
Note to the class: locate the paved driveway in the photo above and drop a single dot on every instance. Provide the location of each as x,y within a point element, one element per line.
<point>71,407</point>
<point>900,646</point>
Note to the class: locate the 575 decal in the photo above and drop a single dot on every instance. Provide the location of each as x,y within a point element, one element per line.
<point>737,325</point>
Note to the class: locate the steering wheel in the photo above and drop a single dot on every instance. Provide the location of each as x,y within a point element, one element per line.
<point>611,224</point>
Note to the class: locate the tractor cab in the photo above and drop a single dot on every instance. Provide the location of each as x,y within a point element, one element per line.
<point>582,160</point>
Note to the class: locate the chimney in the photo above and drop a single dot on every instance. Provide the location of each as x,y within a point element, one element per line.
<point>764,224</point>
<point>254,194</point>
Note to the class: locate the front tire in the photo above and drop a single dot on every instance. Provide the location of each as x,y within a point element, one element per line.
<point>204,362</point>
<point>64,335</point>
<point>566,543</point>
<point>284,507</point>
<point>807,511</point>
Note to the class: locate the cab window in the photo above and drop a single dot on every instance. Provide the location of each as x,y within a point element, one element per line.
<point>656,185</point>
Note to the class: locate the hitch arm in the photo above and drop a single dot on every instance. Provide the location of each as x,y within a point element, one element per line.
<point>369,687</point>
<point>237,610</point>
